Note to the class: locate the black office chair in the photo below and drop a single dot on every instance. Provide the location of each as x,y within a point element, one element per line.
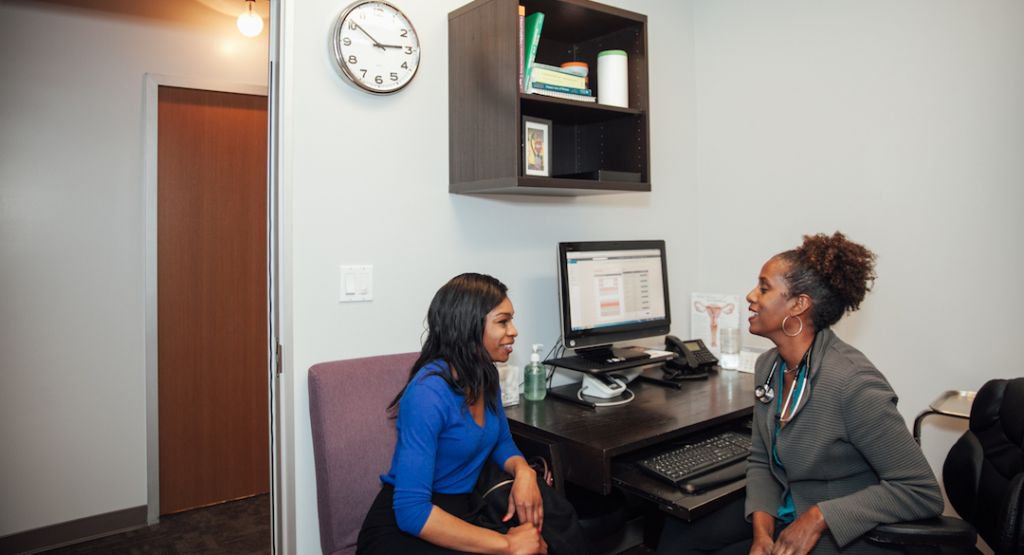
<point>984,478</point>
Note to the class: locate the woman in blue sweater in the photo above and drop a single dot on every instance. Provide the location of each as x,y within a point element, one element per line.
<point>450,424</point>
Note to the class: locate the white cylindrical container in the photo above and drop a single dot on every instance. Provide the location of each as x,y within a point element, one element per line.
<point>612,78</point>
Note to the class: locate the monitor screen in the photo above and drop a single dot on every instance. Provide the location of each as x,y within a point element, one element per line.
<point>612,291</point>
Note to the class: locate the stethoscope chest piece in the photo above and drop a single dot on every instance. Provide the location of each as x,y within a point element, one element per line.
<point>765,393</point>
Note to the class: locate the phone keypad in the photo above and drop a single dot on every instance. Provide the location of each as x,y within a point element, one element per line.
<point>705,357</point>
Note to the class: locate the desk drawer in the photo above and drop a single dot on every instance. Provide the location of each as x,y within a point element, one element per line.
<point>537,447</point>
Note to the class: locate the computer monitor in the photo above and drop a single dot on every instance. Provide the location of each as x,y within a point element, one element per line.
<point>611,291</point>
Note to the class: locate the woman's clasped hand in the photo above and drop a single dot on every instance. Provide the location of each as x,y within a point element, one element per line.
<point>524,501</point>
<point>525,539</point>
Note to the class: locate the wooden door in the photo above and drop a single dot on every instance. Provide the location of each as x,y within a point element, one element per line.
<point>212,297</point>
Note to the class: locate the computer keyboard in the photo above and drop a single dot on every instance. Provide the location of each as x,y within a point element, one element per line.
<point>688,461</point>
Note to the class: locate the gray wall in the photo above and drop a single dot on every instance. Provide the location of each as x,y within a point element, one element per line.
<point>72,401</point>
<point>899,123</point>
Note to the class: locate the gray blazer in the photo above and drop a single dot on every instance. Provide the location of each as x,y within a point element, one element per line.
<point>847,450</point>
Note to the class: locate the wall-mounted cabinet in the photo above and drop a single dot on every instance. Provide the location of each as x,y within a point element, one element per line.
<point>486,107</point>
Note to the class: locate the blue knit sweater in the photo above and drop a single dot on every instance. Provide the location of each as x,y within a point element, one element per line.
<point>440,448</point>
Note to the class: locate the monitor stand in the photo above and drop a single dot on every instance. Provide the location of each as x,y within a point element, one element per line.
<point>607,354</point>
<point>596,389</point>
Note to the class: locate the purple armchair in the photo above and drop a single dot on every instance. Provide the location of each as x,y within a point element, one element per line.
<point>353,439</point>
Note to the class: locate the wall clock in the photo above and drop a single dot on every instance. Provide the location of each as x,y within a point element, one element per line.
<point>376,46</point>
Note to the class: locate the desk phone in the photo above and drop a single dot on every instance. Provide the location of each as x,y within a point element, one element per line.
<point>693,359</point>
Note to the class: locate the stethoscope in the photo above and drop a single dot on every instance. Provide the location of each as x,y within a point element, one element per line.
<point>766,391</point>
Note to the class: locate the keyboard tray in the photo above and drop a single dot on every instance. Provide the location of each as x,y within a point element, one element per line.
<point>682,463</point>
<point>669,498</point>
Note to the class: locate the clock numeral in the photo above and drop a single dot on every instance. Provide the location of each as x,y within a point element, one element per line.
<point>364,73</point>
<point>352,59</point>
<point>405,33</point>
<point>346,41</point>
<point>394,76</point>
<point>408,50</point>
<point>352,25</point>
<point>405,65</point>
<point>379,80</point>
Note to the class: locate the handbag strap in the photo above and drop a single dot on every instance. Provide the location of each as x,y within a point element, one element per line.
<point>496,486</point>
<point>540,464</point>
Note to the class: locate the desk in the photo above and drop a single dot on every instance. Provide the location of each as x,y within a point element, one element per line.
<point>587,442</point>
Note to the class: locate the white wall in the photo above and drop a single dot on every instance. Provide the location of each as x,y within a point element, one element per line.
<point>900,124</point>
<point>897,124</point>
<point>72,401</point>
<point>369,185</point>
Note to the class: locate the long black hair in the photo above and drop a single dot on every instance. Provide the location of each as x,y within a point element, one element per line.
<point>455,331</point>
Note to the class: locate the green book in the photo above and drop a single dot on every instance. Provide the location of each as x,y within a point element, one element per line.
<point>534,22</point>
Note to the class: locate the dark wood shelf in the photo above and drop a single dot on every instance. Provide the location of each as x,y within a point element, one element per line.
<point>486,107</point>
<point>572,110</point>
<point>550,186</point>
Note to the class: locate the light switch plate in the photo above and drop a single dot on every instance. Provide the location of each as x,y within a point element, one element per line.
<point>356,283</point>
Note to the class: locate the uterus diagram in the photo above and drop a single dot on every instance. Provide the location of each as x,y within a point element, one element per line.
<point>714,311</point>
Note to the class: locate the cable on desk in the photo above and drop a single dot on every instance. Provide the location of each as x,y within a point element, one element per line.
<point>556,346</point>
<point>579,395</point>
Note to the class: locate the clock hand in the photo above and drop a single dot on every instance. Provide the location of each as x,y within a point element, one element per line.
<point>375,43</point>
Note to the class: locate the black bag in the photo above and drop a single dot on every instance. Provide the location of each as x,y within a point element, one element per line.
<point>561,530</point>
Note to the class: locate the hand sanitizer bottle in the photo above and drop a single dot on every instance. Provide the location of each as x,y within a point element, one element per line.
<point>535,377</point>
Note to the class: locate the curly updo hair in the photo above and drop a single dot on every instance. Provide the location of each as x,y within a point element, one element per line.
<point>833,271</point>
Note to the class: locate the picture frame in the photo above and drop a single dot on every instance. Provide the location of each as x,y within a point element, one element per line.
<point>536,146</point>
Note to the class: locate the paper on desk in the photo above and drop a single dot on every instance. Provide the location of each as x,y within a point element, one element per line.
<point>748,356</point>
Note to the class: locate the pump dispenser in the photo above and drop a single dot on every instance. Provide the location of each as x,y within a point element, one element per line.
<point>535,377</point>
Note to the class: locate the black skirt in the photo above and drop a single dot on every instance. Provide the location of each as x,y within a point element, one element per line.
<point>484,507</point>
<point>381,535</point>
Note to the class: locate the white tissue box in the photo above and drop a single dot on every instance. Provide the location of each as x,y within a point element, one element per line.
<point>509,377</point>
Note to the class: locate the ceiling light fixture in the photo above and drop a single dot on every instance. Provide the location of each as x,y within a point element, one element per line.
<point>250,24</point>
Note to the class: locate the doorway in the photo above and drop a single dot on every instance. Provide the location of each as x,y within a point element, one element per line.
<point>207,332</point>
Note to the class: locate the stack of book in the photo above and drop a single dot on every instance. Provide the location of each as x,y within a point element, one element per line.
<point>559,82</point>
<point>537,78</point>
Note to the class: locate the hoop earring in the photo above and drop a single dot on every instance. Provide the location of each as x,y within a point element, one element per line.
<point>798,319</point>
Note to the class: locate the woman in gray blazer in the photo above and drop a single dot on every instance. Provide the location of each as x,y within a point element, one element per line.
<point>831,456</point>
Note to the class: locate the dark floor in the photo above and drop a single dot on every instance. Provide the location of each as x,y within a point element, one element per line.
<point>235,527</point>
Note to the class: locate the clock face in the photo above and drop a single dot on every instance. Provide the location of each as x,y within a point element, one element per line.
<point>376,46</point>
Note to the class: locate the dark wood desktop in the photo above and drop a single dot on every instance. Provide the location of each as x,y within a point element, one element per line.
<point>592,447</point>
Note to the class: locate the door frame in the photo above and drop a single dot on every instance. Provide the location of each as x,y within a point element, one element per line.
<point>153,82</point>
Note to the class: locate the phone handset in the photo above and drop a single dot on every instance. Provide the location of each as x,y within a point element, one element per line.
<point>693,359</point>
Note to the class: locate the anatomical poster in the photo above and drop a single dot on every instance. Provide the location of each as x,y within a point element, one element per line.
<point>710,313</point>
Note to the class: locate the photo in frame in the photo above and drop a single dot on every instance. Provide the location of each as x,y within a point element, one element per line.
<point>536,146</point>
